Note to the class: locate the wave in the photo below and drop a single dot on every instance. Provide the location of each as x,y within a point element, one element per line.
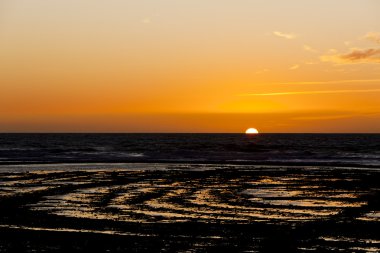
<point>321,149</point>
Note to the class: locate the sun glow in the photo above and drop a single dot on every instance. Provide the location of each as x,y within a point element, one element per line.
<point>251,131</point>
<point>144,66</point>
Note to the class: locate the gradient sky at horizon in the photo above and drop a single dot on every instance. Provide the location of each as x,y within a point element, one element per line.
<point>189,66</point>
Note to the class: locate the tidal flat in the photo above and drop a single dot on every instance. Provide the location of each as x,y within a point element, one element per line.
<point>190,208</point>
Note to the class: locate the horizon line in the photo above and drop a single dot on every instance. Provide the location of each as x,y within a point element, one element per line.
<point>243,133</point>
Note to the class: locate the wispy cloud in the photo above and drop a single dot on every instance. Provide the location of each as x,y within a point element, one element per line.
<point>310,92</point>
<point>356,55</point>
<point>324,117</point>
<point>294,67</point>
<point>347,43</point>
<point>287,36</point>
<point>370,55</point>
<point>373,36</point>
<point>309,49</point>
<point>334,81</point>
<point>310,63</point>
<point>362,54</point>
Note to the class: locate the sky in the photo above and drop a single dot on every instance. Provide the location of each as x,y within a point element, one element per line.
<point>190,66</point>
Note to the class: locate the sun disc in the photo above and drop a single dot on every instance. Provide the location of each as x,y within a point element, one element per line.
<point>251,131</point>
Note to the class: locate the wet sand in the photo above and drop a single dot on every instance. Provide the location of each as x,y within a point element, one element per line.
<point>191,208</point>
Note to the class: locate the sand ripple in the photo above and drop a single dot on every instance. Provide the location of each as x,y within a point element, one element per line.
<point>283,197</point>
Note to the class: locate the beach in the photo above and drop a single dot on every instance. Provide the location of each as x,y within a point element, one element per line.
<point>188,208</point>
<point>190,126</point>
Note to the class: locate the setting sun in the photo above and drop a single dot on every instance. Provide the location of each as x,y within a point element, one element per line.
<point>251,131</point>
<point>189,66</point>
<point>136,110</point>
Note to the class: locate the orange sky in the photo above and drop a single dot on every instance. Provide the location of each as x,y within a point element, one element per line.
<point>189,66</point>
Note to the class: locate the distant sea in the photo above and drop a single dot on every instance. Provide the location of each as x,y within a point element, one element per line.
<point>271,149</point>
<point>189,193</point>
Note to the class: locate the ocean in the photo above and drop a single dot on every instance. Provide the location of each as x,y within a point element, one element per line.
<point>189,193</point>
<point>297,149</point>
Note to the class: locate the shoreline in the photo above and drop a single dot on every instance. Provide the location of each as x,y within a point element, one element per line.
<point>159,163</point>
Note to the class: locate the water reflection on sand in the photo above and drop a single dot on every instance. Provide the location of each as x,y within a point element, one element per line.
<point>203,199</point>
<point>242,195</point>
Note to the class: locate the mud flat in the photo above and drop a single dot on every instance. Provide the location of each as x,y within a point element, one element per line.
<point>190,208</point>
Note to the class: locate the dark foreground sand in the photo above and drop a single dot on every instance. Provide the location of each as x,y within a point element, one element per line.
<point>192,208</point>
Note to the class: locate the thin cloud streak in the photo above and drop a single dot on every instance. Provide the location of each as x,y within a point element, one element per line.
<point>309,49</point>
<point>310,92</point>
<point>287,36</point>
<point>334,82</point>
